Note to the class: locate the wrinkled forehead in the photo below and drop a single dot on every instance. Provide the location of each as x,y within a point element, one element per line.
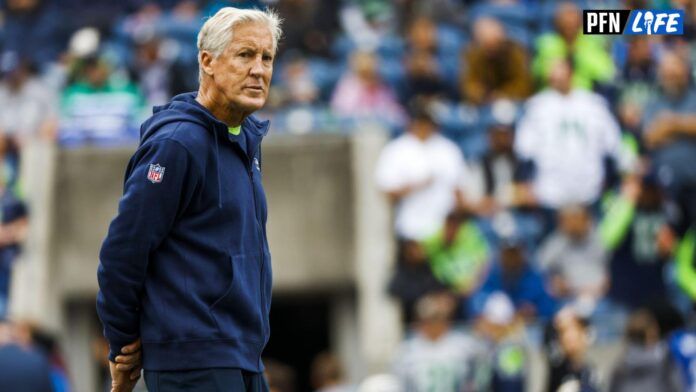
<point>253,35</point>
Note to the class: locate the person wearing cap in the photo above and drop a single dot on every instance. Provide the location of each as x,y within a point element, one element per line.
<point>437,357</point>
<point>185,269</point>
<point>522,283</point>
<point>421,172</point>
<point>502,333</point>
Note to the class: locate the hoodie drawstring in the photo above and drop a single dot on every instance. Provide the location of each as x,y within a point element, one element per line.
<point>217,168</point>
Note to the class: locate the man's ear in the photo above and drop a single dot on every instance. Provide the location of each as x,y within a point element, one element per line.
<point>206,59</point>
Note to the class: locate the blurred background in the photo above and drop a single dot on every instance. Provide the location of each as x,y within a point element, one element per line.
<point>464,195</point>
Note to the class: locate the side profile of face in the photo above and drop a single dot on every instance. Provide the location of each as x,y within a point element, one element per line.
<point>242,73</point>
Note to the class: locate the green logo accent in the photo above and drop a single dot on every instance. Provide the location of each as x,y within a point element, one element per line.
<point>511,360</point>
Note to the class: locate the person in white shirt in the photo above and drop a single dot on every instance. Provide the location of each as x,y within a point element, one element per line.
<point>565,135</point>
<point>437,358</point>
<point>421,172</point>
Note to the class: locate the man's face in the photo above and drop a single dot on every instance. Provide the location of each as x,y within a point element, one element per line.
<point>242,72</point>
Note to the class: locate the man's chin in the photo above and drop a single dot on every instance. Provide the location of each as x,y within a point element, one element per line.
<point>250,105</point>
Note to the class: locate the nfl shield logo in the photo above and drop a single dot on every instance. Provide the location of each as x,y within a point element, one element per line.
<point>155,173</point>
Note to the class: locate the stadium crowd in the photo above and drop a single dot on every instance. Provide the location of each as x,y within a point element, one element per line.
<point>543,181</point>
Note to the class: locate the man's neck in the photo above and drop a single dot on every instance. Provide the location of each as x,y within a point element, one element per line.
<point>224,113</point>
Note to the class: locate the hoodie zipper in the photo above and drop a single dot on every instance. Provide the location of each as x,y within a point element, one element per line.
<point>261,252</point>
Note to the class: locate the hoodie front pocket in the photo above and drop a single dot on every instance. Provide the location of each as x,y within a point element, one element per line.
<point>238,313</point>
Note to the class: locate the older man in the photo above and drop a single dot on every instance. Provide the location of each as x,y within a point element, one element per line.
<point>185,267</point>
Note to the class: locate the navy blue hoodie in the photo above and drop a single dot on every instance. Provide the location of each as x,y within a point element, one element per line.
<point>185,265</point>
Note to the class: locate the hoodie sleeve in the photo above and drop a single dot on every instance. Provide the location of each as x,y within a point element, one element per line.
<point>152,199</point>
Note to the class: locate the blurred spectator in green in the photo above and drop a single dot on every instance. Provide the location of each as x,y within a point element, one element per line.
<point>436,357</point>
<point>458,254</point>
<point>327,374</point>
<point>629,230</point>
<point>591,61</point>
<point>28,108</point>
<point>502,366</point>
<point>564,142</point>
<point>646,364</point>
<point>574,257</point>
<point>567,339</point>
<point>361,94</point>
<point>496,67</point>
<point>99,104</point>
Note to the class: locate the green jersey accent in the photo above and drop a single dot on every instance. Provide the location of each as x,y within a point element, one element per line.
<point>686,274</point>
<point>459,264</point>
<point>235,130</point>
<point>616,222</point>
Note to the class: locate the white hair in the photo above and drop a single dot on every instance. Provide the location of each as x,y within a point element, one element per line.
<point>216,32</point>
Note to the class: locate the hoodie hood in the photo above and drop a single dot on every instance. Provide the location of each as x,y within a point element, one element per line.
<point>184,107</point>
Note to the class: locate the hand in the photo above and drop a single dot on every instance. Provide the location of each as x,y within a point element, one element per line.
<point>125,372</point>
<point>660,131</point>
<point>122,381</point>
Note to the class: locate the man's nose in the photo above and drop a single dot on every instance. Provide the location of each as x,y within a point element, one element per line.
<point>257,67</point>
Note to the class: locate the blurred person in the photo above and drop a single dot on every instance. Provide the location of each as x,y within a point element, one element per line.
<point>423,77</point>
<point>640,66</point>
<point>568,338</point>
<point>496,171</point>
<point>496,67</point>
<point>14,221</point>
<point>360,93</point>
<point>316,25</point>
<point>297,85</point>
<point>47,342</point>
<point>413,277</point>
<point>503,367</point>
<point>421,173</point>
<point>421,34</point>
<point>629,230</point>
<point>380,383</point>
<point>670,125</point>
<point>565,141</point>
<point>436,357</point>
<point>327,374</point>
<point>151,71</point>
<point>23,367</point>
<point>574,257</point>
<point>28,109</point>
<point>591,61</point>
<point>99,105</point>
<point>192,222</point>
<point>512,275</point>
<point>645,364</point>
<point>35,29</point>
<point>458,254</point>
<point>280,377</point>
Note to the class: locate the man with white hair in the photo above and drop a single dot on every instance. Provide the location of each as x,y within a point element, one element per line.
<point>185,269</point>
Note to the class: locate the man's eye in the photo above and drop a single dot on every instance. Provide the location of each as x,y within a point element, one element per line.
<point>245,54</point>
<point>267,58</point>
